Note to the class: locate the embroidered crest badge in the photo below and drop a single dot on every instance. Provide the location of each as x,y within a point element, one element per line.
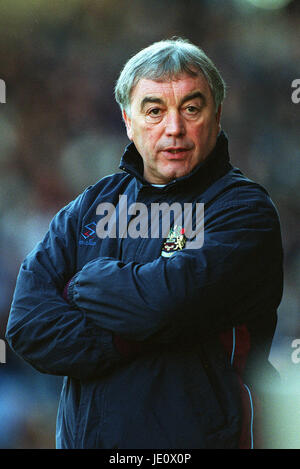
<point>175,241</point>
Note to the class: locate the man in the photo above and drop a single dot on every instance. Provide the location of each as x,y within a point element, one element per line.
<point>160,334</point>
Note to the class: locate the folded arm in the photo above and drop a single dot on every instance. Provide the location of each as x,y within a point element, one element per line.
<point>234,276</point>
<point>42,327</point>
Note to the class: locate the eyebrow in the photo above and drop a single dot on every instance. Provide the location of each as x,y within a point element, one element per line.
<point>150,99</point>
<point>189,97</point>
<point>195,95</point>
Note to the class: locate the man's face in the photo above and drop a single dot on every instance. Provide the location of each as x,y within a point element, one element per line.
<point>173,124</point>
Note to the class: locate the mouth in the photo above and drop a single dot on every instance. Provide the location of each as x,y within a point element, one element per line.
<point>175,152</point>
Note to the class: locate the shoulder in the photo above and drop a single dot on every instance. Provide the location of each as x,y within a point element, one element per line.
<point>240,202</point>
<point>234,188</point>
<point>107,188</point>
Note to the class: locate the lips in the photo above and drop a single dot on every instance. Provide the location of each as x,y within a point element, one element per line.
<point>175,152</point>
<point>175,149</point>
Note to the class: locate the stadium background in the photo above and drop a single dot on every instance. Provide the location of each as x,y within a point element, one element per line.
<point>61,130</point>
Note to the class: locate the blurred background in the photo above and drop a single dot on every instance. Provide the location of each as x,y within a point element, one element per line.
<point>61,130</point>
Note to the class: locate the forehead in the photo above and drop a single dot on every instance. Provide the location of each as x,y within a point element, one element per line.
<point>176,88</point>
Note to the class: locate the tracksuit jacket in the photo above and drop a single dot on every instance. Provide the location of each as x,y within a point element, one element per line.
<point>156,352</point>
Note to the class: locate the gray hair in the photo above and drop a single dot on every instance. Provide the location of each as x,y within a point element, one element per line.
<point>167,59</point>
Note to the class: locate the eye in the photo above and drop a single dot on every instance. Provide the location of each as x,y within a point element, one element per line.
<point>191,109</point>
<point>154,112</point>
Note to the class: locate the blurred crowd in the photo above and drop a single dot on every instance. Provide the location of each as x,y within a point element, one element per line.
<point>61,130</point>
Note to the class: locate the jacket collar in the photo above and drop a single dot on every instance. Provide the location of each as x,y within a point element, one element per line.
<point>214,166</point>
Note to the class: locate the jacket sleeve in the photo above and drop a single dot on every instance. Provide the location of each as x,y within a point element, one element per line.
<point>42,327</point>
<point>233,277</point>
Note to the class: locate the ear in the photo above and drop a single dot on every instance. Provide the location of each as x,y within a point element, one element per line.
<point>218,116</point>
<point>127,121</point>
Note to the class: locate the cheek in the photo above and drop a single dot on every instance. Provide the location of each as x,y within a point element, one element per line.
<point>205,130</point>
<point>197,134</point>
<point>145,141</point>
<point>149,138</point>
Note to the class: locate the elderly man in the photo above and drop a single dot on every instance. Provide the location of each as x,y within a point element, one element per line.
<point>160,336</point>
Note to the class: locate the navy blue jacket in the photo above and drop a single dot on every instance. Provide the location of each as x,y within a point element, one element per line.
<point>203,319</point>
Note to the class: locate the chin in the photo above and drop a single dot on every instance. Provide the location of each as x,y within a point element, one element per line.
<point>171,177</point>
<point>175,172</point>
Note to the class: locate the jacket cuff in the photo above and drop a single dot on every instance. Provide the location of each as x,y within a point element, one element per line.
<point>68,292</point>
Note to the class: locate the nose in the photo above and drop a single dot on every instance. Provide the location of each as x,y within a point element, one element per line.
<point>175,126</point>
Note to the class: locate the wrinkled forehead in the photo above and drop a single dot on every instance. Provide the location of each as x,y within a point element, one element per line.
<point>177,85</point>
